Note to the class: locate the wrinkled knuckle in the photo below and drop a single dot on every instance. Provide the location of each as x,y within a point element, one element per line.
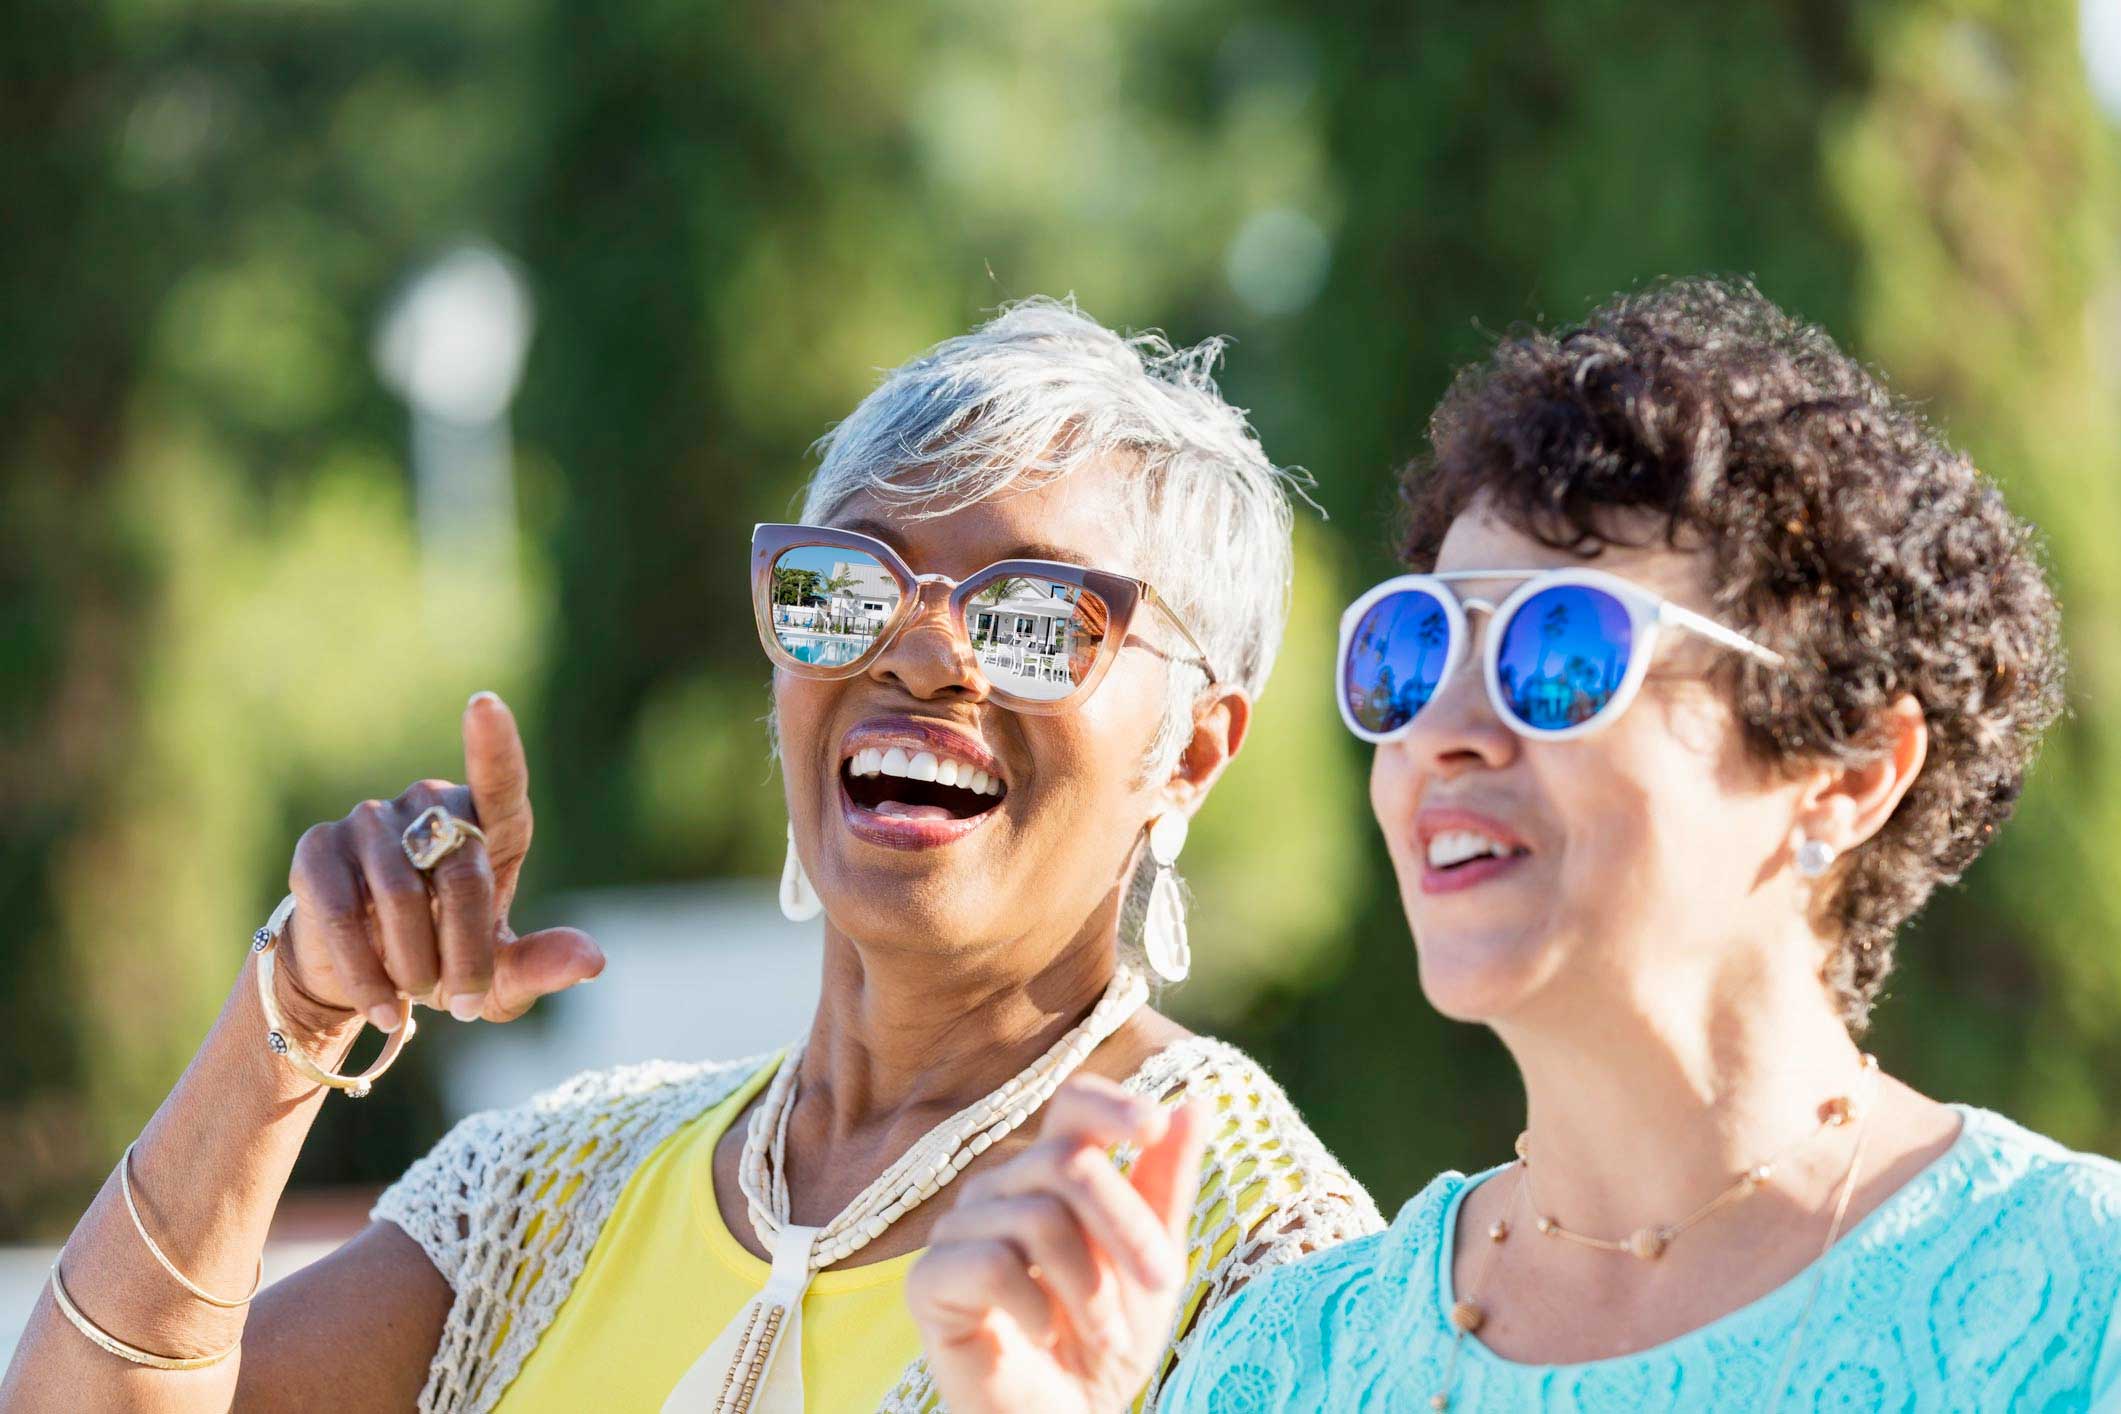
<point>459,889</point>
<point>317,841</point>
<point>404,908</point>
<point>415,797</point>
<point>372,813</point>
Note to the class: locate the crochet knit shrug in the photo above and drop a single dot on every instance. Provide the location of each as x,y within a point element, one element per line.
<point>509,1204</point>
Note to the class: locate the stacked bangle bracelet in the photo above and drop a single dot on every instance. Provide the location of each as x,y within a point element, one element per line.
<point>154,1249</point>
<point>278,1039</point>
<point>124,1350</point>
<point>264,942</point>
<point>133,1353</point>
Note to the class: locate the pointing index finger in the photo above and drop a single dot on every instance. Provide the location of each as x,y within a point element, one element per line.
<point>499,777</point>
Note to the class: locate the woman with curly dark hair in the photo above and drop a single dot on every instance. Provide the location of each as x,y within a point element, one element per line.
<point>1713,662</point>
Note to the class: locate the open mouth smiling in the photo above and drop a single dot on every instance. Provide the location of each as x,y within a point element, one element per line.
<point>1461,849</point>
<point>907,784</point>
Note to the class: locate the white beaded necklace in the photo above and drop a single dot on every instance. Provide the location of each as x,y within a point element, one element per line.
<point>739,1374</point>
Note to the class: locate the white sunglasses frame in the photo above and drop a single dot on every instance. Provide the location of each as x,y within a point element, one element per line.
<point>1648,615</point>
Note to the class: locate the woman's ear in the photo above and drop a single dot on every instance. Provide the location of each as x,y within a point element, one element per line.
<point>1844,807</point>
<point>1222,714</point>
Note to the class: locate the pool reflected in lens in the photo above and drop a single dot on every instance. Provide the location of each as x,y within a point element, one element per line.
<point>830,603</point>
<point>1395,659</point>
<point>1563,656</point>
<point>1036,638</point>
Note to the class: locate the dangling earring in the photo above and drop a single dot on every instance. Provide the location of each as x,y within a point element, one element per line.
<point>1814,858</point>
<point>799,902</point>
<point>1164,939</point>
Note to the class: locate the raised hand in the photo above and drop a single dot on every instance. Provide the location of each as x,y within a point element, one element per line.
<point>369,928</point>
<point>1053,1282</point>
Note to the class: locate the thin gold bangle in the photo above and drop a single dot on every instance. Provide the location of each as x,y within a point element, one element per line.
<point>278,1037</point>
<point>104,1340</point>
<point>125,1186</point>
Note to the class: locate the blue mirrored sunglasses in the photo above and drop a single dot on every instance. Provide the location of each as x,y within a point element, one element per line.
<point>1565,652</point>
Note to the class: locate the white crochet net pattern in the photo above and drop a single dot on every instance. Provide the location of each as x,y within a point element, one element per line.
<point>510,1203</point>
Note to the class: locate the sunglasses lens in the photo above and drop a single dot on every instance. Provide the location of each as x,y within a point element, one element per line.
<point>1563,656</point>
<point>1395,659</point>
<point>830,603</point>
<point>1036,638</point>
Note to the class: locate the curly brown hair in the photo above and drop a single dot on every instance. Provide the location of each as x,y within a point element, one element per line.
<point>1840,529</point>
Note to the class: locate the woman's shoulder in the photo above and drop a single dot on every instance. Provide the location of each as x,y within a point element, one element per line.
<point>1295,1335</point>
<point>2025,1185</point>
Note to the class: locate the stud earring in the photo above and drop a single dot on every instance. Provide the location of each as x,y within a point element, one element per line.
<point>1814,858</point>
<point>799,902</point>
<point>1164,939</point>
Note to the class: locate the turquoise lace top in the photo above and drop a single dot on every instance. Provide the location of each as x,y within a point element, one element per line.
<point>1989,1281</point>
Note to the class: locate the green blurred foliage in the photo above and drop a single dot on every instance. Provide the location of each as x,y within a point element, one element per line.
<point>218,625</point>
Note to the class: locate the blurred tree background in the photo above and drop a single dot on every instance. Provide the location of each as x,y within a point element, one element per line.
<point>227,614</point>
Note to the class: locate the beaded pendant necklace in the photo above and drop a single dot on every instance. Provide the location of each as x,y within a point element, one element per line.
<point>739,1373</point>
<point>1647,1244</point>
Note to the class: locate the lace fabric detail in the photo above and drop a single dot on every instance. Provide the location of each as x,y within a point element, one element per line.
<point>1989,1281</point>
<point>509,1204</point>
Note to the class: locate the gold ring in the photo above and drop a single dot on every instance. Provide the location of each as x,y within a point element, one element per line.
<point>433,833</point>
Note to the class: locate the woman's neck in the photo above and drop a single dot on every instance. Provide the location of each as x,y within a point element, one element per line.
<point>1640,1108</point>
<point>898,1036</point>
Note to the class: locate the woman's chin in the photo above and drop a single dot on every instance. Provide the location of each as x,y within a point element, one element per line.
<point>1479,978</point>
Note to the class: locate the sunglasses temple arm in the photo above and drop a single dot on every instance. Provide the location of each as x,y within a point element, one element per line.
<point>1184,632</point>
<point>1715,632</point>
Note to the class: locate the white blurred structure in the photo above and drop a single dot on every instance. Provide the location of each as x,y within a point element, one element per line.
<point>2099,33</point>
<point>452,344</point>
<point>696,972</point>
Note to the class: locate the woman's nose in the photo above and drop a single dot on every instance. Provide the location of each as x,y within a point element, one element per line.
<point>1458,729</point>
<point>930,658</point>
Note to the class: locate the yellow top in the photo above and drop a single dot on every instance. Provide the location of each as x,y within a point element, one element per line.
<point>666,1275</point>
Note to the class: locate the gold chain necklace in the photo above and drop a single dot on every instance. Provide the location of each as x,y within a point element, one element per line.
<point>1649,1243</point>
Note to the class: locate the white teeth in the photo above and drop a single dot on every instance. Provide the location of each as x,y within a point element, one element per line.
<point>1458,846</point>
<point>923,766</point>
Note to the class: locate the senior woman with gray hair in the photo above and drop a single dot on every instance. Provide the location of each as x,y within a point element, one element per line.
<point>1040,578</point>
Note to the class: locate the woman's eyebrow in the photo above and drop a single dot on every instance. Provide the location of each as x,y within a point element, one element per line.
<point>1036,550</point>
<point>875,530</point>
<point>1042,551</point>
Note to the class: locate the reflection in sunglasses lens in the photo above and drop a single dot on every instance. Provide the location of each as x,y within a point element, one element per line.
<point>1563,656</point>
<point>1395,659</point>
<point>1036,638</point>
<point>830,603</point>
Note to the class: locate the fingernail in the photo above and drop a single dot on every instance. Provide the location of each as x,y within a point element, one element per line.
<point>383,1018</point>
<point>585,981</point>
<point>482,692</point>
<point>466,1006</point>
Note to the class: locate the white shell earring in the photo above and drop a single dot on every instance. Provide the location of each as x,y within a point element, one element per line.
<point>1814,858</point>
<point>1164,941</point>
<point>799,902</point>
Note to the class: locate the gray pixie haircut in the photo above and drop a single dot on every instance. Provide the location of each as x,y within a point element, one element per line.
<point>1041,391</point>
